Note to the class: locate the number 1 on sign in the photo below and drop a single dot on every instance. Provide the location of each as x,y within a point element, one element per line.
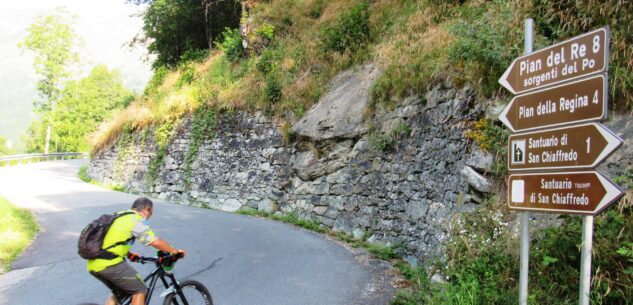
<point>588,144</point>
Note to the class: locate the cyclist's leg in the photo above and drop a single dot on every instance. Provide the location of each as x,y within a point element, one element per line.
<point>124,281</point>
<point>138,298</point>
<point>112,300</point>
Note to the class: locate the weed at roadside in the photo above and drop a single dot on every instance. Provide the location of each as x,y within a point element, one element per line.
<point>17,229</point>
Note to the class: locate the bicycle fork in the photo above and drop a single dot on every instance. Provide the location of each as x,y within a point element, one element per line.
<point>173,288</point>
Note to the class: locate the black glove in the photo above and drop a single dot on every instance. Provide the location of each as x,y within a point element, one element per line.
<point>133,257</point>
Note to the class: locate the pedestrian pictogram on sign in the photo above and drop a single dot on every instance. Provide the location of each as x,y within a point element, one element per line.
<point>518,152</point>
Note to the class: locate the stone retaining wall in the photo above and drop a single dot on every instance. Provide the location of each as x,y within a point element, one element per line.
<point>398,178</point>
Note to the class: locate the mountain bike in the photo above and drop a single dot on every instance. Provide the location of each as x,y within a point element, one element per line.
<point>187,292</point>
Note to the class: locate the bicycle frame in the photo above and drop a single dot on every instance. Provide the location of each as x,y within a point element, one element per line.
<point>153,277</point>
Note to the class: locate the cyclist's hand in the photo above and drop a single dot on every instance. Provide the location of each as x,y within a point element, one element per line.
<point>181,253</point>
<point>133,257</point>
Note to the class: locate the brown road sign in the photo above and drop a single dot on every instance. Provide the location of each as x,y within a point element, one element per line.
<point>586,193</point>
<point>582,146</point>
<point>571,59</point>
<point>580,101</point>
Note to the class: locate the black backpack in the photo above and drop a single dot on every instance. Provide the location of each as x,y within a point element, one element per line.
<point>91,239</point>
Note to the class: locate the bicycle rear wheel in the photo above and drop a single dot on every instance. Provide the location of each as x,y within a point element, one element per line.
<point>193,291</point>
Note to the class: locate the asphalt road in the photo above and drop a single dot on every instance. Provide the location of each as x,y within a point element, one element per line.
<point>242,260</point>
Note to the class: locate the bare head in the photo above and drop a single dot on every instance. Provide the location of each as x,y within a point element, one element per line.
<point>144,206</point>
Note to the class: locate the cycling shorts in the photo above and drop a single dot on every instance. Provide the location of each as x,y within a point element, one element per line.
<point>122,280</point>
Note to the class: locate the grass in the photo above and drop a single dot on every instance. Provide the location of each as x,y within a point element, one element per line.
<point>289,218</point>
<point>482,263</point>
<point>378,250</point>
<point>17,229</point>
<point>83,175</point>
<point>296,50</point>
<point>285,75</point>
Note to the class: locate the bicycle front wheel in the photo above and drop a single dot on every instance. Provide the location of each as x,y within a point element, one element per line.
<point>193,292</point>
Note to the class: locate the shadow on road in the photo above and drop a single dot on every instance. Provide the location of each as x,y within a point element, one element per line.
<point>203,270</point>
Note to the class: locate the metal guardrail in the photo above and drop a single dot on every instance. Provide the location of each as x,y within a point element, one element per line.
<point>28,158</point>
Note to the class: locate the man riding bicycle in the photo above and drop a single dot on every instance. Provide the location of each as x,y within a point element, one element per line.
<point>117,274</point>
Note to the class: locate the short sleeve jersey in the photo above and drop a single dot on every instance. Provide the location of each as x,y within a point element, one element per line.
<point>124,227</point>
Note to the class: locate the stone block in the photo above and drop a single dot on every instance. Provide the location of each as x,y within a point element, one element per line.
<point>476,180</point>
<point>231,205</point>
<point>332,213</point>
<point>321,188</point>
<point>267,205</point>
<point>341,189</point>
<point>343,224</point>
<point>320,210</point>
<point>480,160</point>
<point>326,221</point>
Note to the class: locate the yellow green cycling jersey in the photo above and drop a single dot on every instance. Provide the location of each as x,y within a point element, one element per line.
<point>122,229</point>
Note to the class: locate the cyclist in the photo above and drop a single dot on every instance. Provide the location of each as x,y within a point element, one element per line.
<point>115,273</point>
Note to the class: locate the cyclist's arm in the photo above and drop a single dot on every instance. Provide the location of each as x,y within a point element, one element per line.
<point>146,236</point>
<point>163,245</point>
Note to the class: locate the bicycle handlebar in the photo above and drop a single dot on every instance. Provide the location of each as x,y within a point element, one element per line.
<point>161,260</point>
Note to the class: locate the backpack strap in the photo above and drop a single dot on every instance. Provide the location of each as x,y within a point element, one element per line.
<point>105,254</point>
<point>120,243</point>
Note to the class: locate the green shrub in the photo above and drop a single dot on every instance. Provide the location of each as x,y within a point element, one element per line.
<point>480,268</point>
<point>83,174</point>
<point>625,179</point>
<point>351,31</point>
<point>266,31</point>
<point>419,292</point>
<point>157,80</point>
<point>267,61</point>
<point>486,43</point>
<point>287,134</point>
<point>187,74</point>
<point>494,139</point>
<point>273,89</point>
<point>194,55</point>
<point>230,42</point>
<point>118,188</point>
<point>482,263</point>
<point>316,9</point>
<point>402,130</point>
<point>612,266</point>
<point>380,141</point>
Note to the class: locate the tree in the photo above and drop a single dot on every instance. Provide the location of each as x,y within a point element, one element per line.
<point>35,136</point>
<point>51,37</point>
<point>220,14</point>
<point>4,149</point>
<point>84,105</point>
<point>175,28</point>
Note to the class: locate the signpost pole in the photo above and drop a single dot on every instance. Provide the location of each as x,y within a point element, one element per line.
<point>585,260</point>
<point>525,216</point>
